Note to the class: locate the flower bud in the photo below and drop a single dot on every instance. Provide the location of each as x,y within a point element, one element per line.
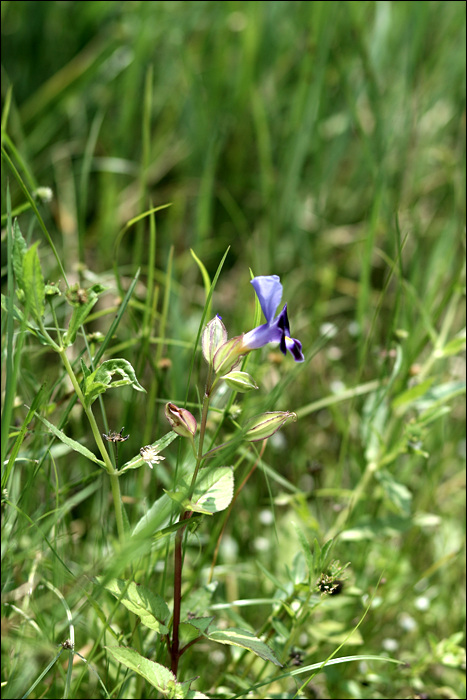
<point>214,335</point>
<point>181,420</point>
<point>240,381</point>
<point>228,355</point>
<point>266,424</point>
<point>44,195</point>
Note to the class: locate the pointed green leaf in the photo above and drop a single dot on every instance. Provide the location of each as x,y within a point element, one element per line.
<point>157,517</point>
<point>244,639</point>
<point>397,493</point>
<point>214,492</point>
<point>441,394</point>
<point>206,280</point>
<point>157,675</point>
<point>148,606</point>
<point>19,251</point>
<point>305,545</point>
<point>101,379</point>
<point>409,396</point>
<point>280,586</point>
<point>325,551</point>
<point>197,601</point>
<point>76,446</point>
<point>200,623</point>
<point>455,346</point>
<point>178,497</point>
<point>18,315</point>
<point>194,628</point>
<point>86,371</point>
<point>33,282</point>
<point>316,556</point>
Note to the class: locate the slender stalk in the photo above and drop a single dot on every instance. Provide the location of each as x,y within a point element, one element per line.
<point>178,562</point>
<point>175,651</point>
<point>113,474</point>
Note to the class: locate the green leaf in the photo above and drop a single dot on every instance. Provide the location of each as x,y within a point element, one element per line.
<point>157,517</point>
<point>412,394</point>
<point>200,623</point>
<point>398,494</point>
<point>325,551</point>
<point>81,309</point>
<point>441,394</point>
<point>455,346</point>
<point>213,492</point>
<point>194,628</point>
<point>76,446</point>
<point>374,418</point>
<point>335,632</point>
<point>246,640</point>
<point>19,251</point>
<point>101,379</point>
<point>157,675</point>
<point>37,401</point>
<point>33,282</point>
<point>197,601</point>
<point>305,545</point>
<point>148,606</point>
<point>316,556</point>
<point>18,315</point>
<point>85,369</point>
<point>206,280</point>
<point>432,414</point>
<point>280,586</point>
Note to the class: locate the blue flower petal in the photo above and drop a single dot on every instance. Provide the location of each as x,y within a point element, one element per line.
<point>269,292</point>
<point>294,346</point>
<point>277,330</point>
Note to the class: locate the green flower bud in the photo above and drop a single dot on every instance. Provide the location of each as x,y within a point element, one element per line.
<point>266,424</point>
<point>240,381</point>
<point>214,335</point>
<point>228,355</point>
<point>181,420</point>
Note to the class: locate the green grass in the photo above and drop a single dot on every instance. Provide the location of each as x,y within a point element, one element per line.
<point>320,141</point>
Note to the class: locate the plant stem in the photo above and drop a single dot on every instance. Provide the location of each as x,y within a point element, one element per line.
<point>112,472</point>
<point>178,563</point>
<point>175,651</point>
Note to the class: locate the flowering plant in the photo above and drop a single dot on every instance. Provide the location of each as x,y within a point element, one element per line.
<point>213,489</point>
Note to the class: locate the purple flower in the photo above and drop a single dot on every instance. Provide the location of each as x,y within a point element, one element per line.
<point>276,330</point>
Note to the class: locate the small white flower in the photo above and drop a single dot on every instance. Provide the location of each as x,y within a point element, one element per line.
<point>150,456</point>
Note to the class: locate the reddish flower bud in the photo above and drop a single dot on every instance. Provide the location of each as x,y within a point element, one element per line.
<point>181,420</point>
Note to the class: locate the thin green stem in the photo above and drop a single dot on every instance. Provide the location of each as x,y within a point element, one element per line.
<point>112,472</point>
<point>202,429</point>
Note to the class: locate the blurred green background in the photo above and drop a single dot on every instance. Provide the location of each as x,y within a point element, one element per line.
<point>292,131</point>
<point>323,142</point>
